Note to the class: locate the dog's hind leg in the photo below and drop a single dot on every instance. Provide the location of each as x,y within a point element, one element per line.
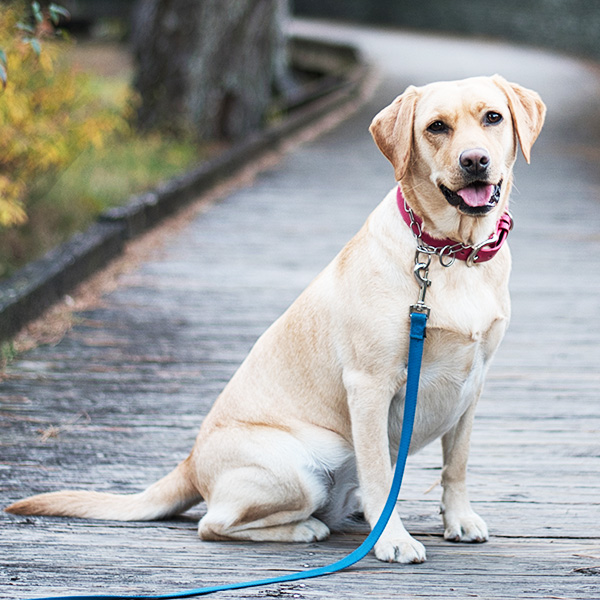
<point>255,504</point>
<point>267,484</point>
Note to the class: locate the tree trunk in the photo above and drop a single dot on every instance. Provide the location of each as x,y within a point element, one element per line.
<point>208,66</point>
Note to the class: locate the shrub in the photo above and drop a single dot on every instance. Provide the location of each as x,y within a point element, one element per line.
<point>48,115</point>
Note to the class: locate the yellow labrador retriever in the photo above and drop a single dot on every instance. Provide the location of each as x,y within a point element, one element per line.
<point>306,431</point>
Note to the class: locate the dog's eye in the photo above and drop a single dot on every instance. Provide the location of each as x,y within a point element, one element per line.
<point>438,127</point>
<point>493,118</point>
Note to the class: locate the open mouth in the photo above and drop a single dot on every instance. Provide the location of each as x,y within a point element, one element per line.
<point>476,199</point>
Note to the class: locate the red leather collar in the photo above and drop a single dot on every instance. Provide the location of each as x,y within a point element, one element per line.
<point>452,249</point>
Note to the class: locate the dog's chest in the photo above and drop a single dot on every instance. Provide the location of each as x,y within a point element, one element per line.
<point>452,376</point>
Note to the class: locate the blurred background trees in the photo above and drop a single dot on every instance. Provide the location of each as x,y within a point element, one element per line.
<point>566,25</point>
<point>208,66</point>
<point>49,116</point>
<point>78,136</point>
<point>46,117</point>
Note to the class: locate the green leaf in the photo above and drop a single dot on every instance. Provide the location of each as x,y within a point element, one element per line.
<point>35,45</point>
<point>26,28</point>
<point>56,12</point>
<point>37,12</point>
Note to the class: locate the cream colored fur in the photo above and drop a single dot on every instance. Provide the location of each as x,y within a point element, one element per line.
<point>305,432</point>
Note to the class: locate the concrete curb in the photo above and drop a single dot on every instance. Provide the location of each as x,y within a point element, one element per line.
<point>41,283</point>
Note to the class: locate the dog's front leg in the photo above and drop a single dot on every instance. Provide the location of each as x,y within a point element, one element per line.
<point>461,522</point>
<point>369,408</point>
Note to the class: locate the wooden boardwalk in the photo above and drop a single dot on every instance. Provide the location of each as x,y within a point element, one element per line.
<point>118,402</point>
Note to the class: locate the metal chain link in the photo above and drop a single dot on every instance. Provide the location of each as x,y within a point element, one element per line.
<point>447,254</point>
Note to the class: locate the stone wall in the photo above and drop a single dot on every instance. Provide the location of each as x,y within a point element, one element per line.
<point>567,25</point>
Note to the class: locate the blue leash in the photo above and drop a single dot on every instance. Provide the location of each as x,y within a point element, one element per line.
<point>418,322</point>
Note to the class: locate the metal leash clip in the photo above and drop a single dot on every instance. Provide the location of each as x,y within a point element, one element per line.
<point>472,258</point>
<point>421,272</point>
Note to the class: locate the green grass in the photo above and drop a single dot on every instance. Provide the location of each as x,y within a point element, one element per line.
<point>8,353</point>
<point>97,180</point>
<point>101,179</point>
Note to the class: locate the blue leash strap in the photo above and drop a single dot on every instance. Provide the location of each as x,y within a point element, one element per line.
<point>418,322</point>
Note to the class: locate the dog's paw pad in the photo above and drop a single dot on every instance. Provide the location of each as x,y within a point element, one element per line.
<point>404,550</point>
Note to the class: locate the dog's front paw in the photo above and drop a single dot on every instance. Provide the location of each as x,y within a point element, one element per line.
<point>466,527</point>
<point>403,550</point>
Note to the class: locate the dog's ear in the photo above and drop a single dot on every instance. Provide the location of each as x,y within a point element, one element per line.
<point>528,112</point>
<point>392,130</point>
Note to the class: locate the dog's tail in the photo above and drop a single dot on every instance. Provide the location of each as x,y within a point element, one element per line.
<point>169,496</point>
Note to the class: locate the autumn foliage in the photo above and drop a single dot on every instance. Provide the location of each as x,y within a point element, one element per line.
<point>48,116</point>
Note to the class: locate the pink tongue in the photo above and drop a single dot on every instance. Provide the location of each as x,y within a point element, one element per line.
<point>476,195</point>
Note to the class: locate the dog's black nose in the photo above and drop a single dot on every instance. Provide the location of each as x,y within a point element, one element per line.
<point>474,161</point>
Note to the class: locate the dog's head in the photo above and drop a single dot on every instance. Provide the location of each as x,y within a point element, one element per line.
<point>453,144</point>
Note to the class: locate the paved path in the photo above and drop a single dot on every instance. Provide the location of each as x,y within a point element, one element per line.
<point>124,393</point>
